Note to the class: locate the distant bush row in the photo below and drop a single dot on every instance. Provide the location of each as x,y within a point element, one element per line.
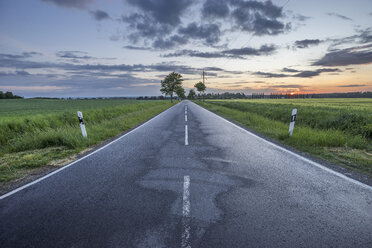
<point>8,95</point>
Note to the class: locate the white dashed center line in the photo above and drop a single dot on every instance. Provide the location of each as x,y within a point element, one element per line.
<point>186,136</point>
<point>186,213</point>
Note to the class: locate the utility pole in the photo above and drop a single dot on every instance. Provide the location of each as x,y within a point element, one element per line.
<point>203,76</point>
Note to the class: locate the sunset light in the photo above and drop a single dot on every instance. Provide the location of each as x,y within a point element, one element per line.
<point>125,47</point>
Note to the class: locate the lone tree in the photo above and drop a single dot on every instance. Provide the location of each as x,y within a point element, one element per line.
<point>180,92</point>
<point>200,87</point>
<point>171,84</point>
<point>192,94</point>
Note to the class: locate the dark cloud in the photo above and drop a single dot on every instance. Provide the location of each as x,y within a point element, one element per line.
<point>73,55</point>
<point>215,8</point>
<point>21,64</point>
<point>71,3</point>
<point>229,53</point>
<point>260,18</point>
<point>170,42</point>
<point>16,73</point>
<point>162,11</point>
<point>289,70</point>
<point>353,85</point>
<point>363,36</point>
<point>100,15</point>
<point>248,51</point>
<point>23,55</point>
<point>339,16</point>
<point>349,56</point>
<point>301,18</point>
<point>145,27</point>
<point>156,21</point>
<point>210,33</point>
<point>193,53</point>
<point>288,86</point>
<point>159,22</point>
<point>212,68</point>
<point>307,43</point>
<point>299,74</point>
<point>270,75</point>
<point>136,47</point>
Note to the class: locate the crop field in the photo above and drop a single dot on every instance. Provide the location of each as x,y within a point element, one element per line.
<point>336,130</point>
<point>40,133</point>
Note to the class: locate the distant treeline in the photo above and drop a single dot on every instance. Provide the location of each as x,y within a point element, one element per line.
<point>8,95</point>
<point>151,98</point>
<point>228,95</point>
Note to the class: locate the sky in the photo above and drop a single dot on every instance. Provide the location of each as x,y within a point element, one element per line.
<point>108,48</point>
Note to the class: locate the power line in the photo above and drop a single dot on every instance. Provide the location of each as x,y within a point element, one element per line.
<point>253,34</point>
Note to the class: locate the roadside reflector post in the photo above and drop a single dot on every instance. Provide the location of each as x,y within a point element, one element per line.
<point>292,123</point>
<point>82,126</point>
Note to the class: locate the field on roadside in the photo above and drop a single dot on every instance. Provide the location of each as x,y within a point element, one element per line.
<point>337,130</point>
<point>38,133</point>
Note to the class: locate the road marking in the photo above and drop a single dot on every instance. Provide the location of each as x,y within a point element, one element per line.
<point>186,213</point>
<point>86,156</point>
<point>186,136</point>
<point>294,154</point>
<point>186,117</point>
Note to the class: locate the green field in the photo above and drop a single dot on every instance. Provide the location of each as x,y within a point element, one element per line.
<point>336,130</point>
<point>41,133</point>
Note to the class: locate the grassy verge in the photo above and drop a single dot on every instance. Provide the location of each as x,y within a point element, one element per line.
<point>334,137</point>
<point>45,136</point>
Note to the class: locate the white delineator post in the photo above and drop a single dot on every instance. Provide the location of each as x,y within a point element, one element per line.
<point>82,126</point>
<point>292,123</point>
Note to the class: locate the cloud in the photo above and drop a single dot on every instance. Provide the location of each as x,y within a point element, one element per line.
<point>248,51</point>
<point>215,8</point>
<point>307,43</point>
<point>229,53</point>
<point>170,42</point>
<point>288,86</point>
<point>16,73</point>
<point>162,11</point>
<point>289,70</point>
<point>301,18</point>
<point>73,55</point>
<point>210,33</point>
<point>159,22</point>
<point>136,47</point>
<point>353,85</point>
<point>349,56</point>
<point>339,16</point>
<point>71,3</point>
<point>299,74</point>
<point>14,62</point>
<point>193,53</point>
<point>23,55</point>
<point>363,36</point>
<point>260,18</point>
<point>100,15</point>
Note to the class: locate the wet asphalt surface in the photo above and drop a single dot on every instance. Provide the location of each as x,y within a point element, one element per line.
<point>243,192</point>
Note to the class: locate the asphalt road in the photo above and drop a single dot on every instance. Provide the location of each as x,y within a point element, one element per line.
<point>219,186</point>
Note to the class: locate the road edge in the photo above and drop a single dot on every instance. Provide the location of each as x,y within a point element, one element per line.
<point>351,175</point>
<point>45,174</point>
